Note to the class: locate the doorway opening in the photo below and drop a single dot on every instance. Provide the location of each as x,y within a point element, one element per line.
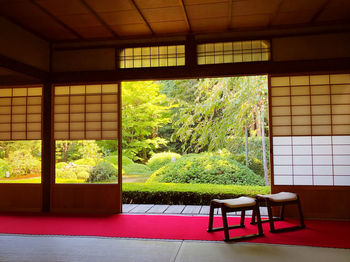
<point>186,141</point>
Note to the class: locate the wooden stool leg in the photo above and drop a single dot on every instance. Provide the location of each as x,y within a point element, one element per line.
<point>225,224</point>
<point>301,217</point>
<point>269,210</point>
<point>258,217</point>
<point>282,212</point>
<point>252,222</point>
<point>242,218</point>
<point>211,217</point>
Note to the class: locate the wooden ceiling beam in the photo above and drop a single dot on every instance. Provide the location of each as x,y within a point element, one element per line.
<point>230,13</point>
<point>24,27</point>
<point>142,16</point>
<point>215,70</point>
<point>94,13</point>
<point>319,11</point>
<point>187,20</point>
<point>275,14</point>
<point>59,21</point>
<point>22,68</point>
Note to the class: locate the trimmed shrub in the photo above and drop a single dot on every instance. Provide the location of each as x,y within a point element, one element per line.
<point>85,162</point>
<point>206,169</point>
<point>137,169</point>
<point>185,194</point>
<point>102,172</point>
<point>161,159</point>
<point>253,163</point>
<point>66,171</point>
<point>78,169</point>
<point>61,165</point>
<point>126,161</point>
<point>83,175</point>
<point>66,174</point>
<point>113,159</point>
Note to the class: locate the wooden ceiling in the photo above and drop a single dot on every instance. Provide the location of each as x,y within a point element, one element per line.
<point>71,20</point>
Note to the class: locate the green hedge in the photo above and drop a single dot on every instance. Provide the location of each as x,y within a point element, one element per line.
<point>185,194</point>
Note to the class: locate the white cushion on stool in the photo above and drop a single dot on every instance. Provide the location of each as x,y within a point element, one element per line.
<point>281,196</point>
<point>237,202</point>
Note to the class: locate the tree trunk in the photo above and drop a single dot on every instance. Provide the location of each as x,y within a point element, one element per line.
<point>263,147</point>
<point>258,124</point>
<point>65,151</point>
<point>246,146</point>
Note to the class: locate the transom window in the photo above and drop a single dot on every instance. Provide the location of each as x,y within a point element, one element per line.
<point>152,56</point>
<point>233,52</point>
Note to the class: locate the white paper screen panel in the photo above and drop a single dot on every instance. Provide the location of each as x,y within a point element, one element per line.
<point>86,112</point>
<point>311,160</point>
<point>20,113</point>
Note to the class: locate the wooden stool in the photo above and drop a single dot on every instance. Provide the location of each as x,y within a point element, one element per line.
<point>280,199</point>
<point>231,205</point>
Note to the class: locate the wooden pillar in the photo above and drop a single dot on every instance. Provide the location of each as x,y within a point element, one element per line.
<point>48,147</point>
<point>120,149</point>
<point>190,52</point>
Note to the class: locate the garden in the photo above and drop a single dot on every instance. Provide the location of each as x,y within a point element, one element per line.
<point>197,138</point>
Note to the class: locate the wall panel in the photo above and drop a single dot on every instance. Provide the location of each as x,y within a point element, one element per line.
<point>23,46</point>
<point>20,197</point>
<point>83,60</point>
<point>309,47</point>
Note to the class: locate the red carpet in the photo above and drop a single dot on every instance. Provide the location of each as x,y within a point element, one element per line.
<point>316,233</point>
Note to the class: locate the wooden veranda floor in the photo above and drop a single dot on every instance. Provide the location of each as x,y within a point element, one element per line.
<point>189,210</point>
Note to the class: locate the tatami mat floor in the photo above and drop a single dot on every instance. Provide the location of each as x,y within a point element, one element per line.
<point>25,248</point>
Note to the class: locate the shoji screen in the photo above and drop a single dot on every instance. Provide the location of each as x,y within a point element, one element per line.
<point>310,128</point>
<point>86,112</point>
<point>152,56</point>
<point>233,52</point>
<point>20,113</point>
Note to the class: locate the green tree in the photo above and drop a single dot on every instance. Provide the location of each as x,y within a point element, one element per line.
<point>70,150</point>
<point>143,112</point>
<point>20,157</point>
<point>180,94</point>
<point>108,147</point>
<point>33,146</point>
<point>222,108</point>
<point>22,162</point>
